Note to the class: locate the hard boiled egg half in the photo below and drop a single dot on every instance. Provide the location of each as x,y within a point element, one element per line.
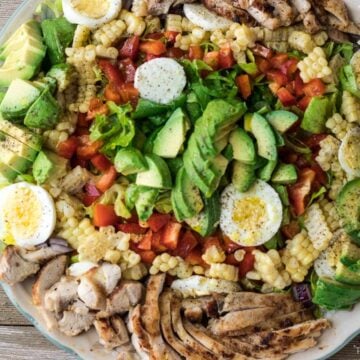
<point>91,13</point>
<point>27,214</point>
<point>250,218</point>
<point>349,152</point>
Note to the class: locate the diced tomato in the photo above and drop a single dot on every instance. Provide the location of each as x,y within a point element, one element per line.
<point>286,97</point>
<point>157,221</point>
<point>107,179</point>
<point>244,85</point>
<point>96,107</point>
<point>75,161</point>
<point>87,149</point>
<point>314,87</point>
<point>289,68</point>
<point>147,256</point>
<point>211,241</point>
<point>101,162</point>
<point>291,86</point>
<point>80,131</point>
<point>195,258</point>
<point>153,47</point>
<point>230,246</point>
<point>277,76</point>
<point>171,235</point>
<point>88,200</point>
<point>212,59</point>
<point>157,244</point>
<point>263,65</point>
<point>196,52</point>
<point>299,85</point>
<point>321,176</point>
<point>132,228</point>
<point>111,93</point>
<point>278,60</point>
<point>291,229</point>
<point>128,68</point>
<point>186,244</point>
<point>68,147</point>
<point>129,94</point>
<point>226,57</point>
<point>155,36</point>
<point>304,103</point>
<point>111,71</point>
<point>171,36</point>
<point>130,49</point>
<point>313,141</point>
<point>104,215</point>
<point>145,243</point>
<point>262,51</point>
<point>247,264</point>
<point>175,53</point>
<point>81,120</point>
<point>274,87</point>
<point>299,192</point>
<point>230,259</point>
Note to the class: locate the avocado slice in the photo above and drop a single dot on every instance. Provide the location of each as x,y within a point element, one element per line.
<point>42,168</point>
<point>316,115</point>
<point>347,204</point>
<point>19,97</point>
<point>158,174</point>
<point>345,275</point>
<point>145,202</point>
<point>265,138</point>
<point>281,120</point>
<point>7,172</point>
<point>170,139</point>
<point>285,174</point>
<point>266,172</point>
<point>13,160</point>
<point>350,254</point>
<point>243,176</point>
<point>243,146</point>
<point>18,147</point>
<point>129,161</point>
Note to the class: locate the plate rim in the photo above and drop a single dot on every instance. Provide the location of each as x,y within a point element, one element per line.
<point>8,289</point>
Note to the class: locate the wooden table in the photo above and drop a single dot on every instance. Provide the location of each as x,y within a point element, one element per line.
<point>20,340</point>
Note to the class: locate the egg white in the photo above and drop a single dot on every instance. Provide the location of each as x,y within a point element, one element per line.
<point>76,17</point>
<point>43,222</point>
<point>258,230</point>
<point>352,135</point>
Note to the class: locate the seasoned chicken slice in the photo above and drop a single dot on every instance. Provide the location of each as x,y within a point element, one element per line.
<point>106,276</point>
<point>311,23</point>
<point>61,294</point>
<point>91,293</point>
<point>15,269</point>
<point>302,6</point>
<point>112,332</point>
<point>336,8</point>
<point>350,28</point>
<point>76,321</point>
<point>208,305</point>
<point>75,180</point>
<point>159,7</point>
<point>240,319</point>
<point>257,9</point>
<point>227,9</point>
<point>49,275</point>
<point>283,10</point>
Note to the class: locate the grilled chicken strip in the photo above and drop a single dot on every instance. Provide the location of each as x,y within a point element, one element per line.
<point>112,332</point>
<point>336,8</point>
<point>350,28</point>
<point>302,6</point>
<point>284,10</point>
<point>227,9</point>
<point>159,7</point>
<point>15,269</point>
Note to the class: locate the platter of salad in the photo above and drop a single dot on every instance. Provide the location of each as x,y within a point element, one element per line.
<point>181,179</point>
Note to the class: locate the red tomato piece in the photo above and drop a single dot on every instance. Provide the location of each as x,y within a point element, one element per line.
<point>157,244</point>
<point>277,76</point>
<point>230,259</point>
<point>132,228</point>
<point>211,241</point>
<point>175,53</point>
<point>128,69</point>
<point>104,215</point>
<point>299,85</point>
<point>321,176</point>
<point>289,68</point>
<point>107,179</point>
<point>111,71</point>
<point>278,60</point>
<point>230,246</point>
<point>263,65</point>
<point>130,49</point>
<point>87,149</point>
<point>129,94</point>
<point>171,36</point>
<point>145,243</point>
<point>82,120</point>
<point>244,85</point>
<point>153,47</point>
<point>101,162</point>
<point>67,148</point>
<point>196,52</point>
<point>157,221</point>
<point>195,258</point>
<point>286,97</point>
<point>171,234</point>
<point>304,103</point>
<point>96,107</point>
<point>147,256</point>
<point>313,141</point>
<point>291,229</point>
<point>299,192</point>
<point>226,57</point>
<point>155,36</point>
<point>212,59</point>
<point>274,87</point>
<point>314,87</point>
<point>247,264</point>
<point>88,200</point>
<point>262,51</point>
<point>186,244</point>
<point>111,93</point>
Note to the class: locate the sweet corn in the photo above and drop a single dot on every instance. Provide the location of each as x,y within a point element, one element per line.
<point>214,255</point>
<point>331,214</point>
<point>139,7</point>
<point>320,38</point>
<point>112,256</point>
<point>137,272</point>
<point>301,41</point>
<point>81,36</point>
<point>135,25</point>
<point>329,148</point>
<point>314,65</point>
<point>153,24</point>
<point>241,36</point>
<point>183,270</point>
<point>218,38</point>
<point>338,126</point>
<point>239,255</point>
<point>164,263</point>
<point>109,33</point>
<point>174,23</point>
<point>350,108</point>
<point>223,271</point>
<point>196,37</point>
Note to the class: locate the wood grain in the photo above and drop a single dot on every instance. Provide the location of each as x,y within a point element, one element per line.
<point>20,341</point>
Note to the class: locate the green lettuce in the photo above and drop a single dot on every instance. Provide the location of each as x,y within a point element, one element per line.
<point>348,80</point>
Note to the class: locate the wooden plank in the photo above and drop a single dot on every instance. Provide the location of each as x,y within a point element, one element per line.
<point>8,314</point>
<point>25,343</point>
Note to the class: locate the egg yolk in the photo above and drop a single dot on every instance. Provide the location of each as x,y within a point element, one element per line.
<point>249,213</point>
<point>94,8</point>
<point>353,153</point>
<point>22,215</point>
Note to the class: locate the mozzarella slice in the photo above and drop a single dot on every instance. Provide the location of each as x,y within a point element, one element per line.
<point>161,80</point>
<point>200,16</point>
<point>92,13</point>
<point>200,286</point>
<point>349,153</point>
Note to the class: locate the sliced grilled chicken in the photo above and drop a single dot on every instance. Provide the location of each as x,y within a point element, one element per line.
<point>257,9</point>
<point>350,28</point>
<point>15,269</point>
<point>311,23</point>
<point>283,10</point>
<point>91,293</point>
<point>74,323</point>
<point>106,276</point>
<point>75,180</point>
<point>188,340</point>
<point>49,275</point>
<point>247,300</point>
<point>336,8</point>
<point>208,305</point>
<point>112,332</point>
<point>159,7</point>
<point>61,294</point>
<point>302,6</point>
<point>240,319</point>
<point>227,9</point>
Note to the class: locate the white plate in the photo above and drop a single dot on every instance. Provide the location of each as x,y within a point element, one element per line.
<point>346,324</point>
